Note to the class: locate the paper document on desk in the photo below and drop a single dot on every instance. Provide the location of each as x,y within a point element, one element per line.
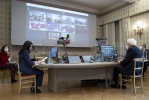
<point>43,63</point>
<point>43,60</point>
<point>36,64</point>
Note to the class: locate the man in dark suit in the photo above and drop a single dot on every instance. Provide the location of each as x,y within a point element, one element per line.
<point>127,64</point>
<point>145,54</point>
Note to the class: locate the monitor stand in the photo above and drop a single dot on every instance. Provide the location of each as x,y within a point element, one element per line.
<point>109,59</point>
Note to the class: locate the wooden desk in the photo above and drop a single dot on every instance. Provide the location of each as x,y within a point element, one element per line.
<point>81,71</point>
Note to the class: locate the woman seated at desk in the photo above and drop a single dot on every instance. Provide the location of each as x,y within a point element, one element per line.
<point>4,62</point>
<point>26,65</point>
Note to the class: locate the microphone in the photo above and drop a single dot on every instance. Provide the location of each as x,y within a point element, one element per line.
<point>38,53</point>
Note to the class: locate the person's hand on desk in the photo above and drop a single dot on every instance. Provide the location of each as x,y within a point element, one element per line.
<point>120,60</point>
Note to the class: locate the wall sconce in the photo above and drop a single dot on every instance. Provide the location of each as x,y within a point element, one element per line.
<point>139,31</point>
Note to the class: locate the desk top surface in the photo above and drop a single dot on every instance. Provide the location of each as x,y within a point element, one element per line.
<point>79,65</point>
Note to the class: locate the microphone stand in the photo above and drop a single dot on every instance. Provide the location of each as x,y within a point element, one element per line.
<point>65,55</point>
<point>38,54</point>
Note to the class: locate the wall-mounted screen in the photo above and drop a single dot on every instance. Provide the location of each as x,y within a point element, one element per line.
<point>44,25</point>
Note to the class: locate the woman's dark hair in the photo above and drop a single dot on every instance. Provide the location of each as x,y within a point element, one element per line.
<point>26,46</point>
<point>2,49</point>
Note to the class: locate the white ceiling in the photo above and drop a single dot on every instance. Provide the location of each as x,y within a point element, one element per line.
<point>96,6</point>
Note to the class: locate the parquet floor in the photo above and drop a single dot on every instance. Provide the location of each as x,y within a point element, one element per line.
<point>73,90</point>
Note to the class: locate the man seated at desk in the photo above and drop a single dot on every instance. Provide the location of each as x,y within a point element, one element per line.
<point>127,64</point>
<point>145,54</point>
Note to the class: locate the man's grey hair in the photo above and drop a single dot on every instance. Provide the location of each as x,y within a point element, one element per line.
<point>131,41</point>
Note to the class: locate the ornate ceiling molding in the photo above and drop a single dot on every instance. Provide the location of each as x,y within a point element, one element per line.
<point>69,5</point>
<point>83,8</point>
<point>113,6</point>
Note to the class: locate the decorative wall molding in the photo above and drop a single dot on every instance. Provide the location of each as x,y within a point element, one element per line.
<point>139,7</point>
<point>120,3</point>
<point>114,16</point>
<point>59,3</point>
<point>70,5</point>
<point>131,10</point>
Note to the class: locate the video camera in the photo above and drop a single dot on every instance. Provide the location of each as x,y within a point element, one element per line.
<point>101,41</point>
<point>64,41</point>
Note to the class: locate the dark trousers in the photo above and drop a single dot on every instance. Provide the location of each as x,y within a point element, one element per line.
<point>12,67</point>
<point>116,73</point>
<point>39,76</point>
<point>145,67</point>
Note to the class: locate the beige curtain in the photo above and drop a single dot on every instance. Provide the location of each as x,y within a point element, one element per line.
<point>99,34</point>
<point>126,28</point>
<point>105,31</point>
<point>111,34</point>
<point>122,49</point>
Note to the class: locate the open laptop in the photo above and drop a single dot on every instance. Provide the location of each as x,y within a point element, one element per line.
<point>74,59</point>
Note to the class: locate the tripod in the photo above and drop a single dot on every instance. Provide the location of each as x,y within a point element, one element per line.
<point>65,56</point>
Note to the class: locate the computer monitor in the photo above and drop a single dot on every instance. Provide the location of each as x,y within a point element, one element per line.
<point>54,53</point>
<point>108,50</point>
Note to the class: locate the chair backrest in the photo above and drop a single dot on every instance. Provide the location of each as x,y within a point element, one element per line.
<point>19,69</point>
<point>138,68</point>
<point>17,62</point>
<point>15,58</point>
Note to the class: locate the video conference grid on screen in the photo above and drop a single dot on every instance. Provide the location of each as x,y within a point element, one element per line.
<point>55,23</point>
<point>108,51</point>
<point>44,25</point>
